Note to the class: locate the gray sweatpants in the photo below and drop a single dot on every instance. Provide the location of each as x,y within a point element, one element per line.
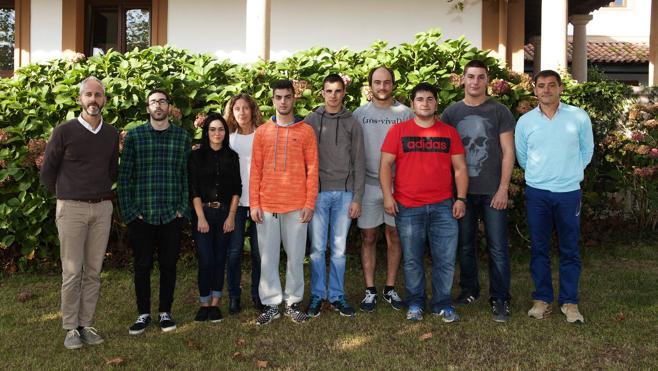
<point>277,228</point>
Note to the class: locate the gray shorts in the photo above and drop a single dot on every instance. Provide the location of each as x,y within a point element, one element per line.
<point>372,209</point>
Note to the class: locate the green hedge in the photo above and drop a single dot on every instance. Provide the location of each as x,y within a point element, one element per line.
<point>40,96</point>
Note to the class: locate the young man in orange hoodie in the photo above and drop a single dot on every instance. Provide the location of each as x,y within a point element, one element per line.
<point>283,186</point>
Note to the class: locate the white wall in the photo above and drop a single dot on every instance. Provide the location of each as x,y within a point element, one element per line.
<point>45,30</point>
<point>300,24</point>
<point>631,23</point>
<point>208,26</point>
<point>218,26</point>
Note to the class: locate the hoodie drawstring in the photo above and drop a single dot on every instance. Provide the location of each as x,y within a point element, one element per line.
<point>320,133</point>
<point>276,141</point>
<point>285,150</point>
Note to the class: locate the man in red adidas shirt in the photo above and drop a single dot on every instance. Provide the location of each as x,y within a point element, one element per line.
<point>424,152</point>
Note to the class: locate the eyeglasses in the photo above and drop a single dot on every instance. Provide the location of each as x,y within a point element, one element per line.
<point>161,102</point>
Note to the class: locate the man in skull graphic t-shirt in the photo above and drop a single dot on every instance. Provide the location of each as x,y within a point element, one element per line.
<point>486,128</point>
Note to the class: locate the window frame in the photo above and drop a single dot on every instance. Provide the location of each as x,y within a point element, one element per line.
<point>613,4</point>
<point>121,6</point>
<point>11,4</point>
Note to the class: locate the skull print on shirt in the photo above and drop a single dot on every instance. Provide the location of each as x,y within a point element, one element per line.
<point>473,131</point>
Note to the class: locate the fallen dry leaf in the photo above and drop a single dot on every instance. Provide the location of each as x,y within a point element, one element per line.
<point>194,345</point>
<point>240,342</point>
<point>238,356</point>
<point>425,336</point>
<point>114,361</point>
<point>24,296</point>
<point>261,364</point>
<point>620,317</point>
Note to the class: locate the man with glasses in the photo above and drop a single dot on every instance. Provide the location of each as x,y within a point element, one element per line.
<point>153,197</point>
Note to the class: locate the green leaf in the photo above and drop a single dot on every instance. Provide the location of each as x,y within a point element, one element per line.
<point>8,240</point>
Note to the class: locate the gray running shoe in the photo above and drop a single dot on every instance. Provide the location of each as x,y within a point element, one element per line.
<point>72,340</point>
<point>89,336</point>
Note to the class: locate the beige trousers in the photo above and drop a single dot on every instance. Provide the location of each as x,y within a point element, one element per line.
<point>84,229</point>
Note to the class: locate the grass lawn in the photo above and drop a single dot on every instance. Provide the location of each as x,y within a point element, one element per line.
<point>619,289</point>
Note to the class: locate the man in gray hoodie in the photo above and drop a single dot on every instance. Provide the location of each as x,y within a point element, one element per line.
<point>342,180</point>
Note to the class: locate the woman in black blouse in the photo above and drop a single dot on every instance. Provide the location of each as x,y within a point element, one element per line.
<point>215,189</point>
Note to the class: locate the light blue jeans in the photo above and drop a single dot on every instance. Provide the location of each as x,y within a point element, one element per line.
<point>331,223</point>
<point>417,225</point>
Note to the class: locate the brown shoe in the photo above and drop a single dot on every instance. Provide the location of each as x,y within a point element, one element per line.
<point>572,313</point>
<point>540,309</point>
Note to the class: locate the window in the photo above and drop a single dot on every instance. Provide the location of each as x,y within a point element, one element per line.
<point>617,4</point>
<point>121,25</point>
<point>7,37</point>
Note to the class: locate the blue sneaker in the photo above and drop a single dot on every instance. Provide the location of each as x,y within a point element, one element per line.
<point>415,314</point>
<point>343,307</point>
<point>447,314</point>
<point>314,307</point>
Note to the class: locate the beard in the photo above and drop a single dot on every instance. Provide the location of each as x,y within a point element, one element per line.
<point>382,95</point>
<point>158,115</point>
<point>93,109</point>
<point>282,113</point>
<point>426,117</point>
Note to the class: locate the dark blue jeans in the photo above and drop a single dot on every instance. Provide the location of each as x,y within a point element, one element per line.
<point>235,254</point>
<point>495,229</point>
<point>562,210</point>
<point>211,252</point>
<point>415,226</point>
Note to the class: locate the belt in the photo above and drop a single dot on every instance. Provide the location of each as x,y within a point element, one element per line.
<point>214,204</point>
<point>94,200</point>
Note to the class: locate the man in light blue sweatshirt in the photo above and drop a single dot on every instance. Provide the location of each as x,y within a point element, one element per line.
<point>554,144</point>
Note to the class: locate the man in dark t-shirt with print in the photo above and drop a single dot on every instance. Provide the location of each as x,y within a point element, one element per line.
<point>424,152</point>
<point>486,128</point>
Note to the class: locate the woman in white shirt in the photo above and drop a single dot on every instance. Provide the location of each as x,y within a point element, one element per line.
<point>243,117</point>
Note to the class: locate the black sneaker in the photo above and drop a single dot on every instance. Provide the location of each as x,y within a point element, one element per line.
<point>140,325</point>
<point>166,322</point>
<point>465,298</point>
<point>269,314</point>
<point>393,298</point>
<point>343,307</point>
<point>315,306</point>
<point>369,302</point>
<point>214,314</point>
<point>500,309</point>
<point>295,313</point>
<point>201,314</point>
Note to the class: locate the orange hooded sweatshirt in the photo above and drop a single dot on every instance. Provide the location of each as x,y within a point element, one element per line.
<point>284,167</point>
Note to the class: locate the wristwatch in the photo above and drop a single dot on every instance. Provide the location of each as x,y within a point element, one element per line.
<point>462,199</point>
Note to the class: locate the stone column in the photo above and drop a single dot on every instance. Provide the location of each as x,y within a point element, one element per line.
<point>536,60</point>
<point>653,44</point>
<point>554,34</point>
<point>579,51</point>
<point>258,29</point>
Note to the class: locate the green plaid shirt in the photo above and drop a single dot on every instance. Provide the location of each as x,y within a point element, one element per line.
<point>153,174</point>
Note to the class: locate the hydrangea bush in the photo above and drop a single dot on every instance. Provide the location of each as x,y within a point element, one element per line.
<point>40,96</point>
